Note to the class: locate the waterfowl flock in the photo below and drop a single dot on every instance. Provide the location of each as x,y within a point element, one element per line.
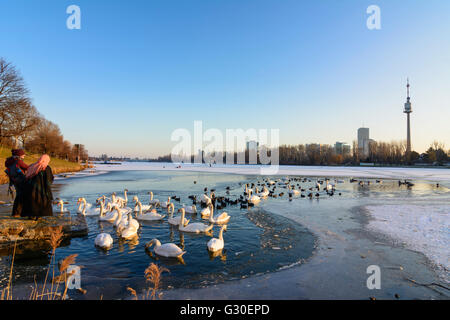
<point>127,220</point>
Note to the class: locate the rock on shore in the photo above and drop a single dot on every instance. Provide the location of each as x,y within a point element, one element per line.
<point>24,229</point>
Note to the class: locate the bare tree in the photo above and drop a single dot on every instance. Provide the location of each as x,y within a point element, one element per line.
<point>47,138</point>
<point>12,90</point>
<point>25,120</point>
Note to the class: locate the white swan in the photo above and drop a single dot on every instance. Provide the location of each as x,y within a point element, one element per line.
<point>124,210</point>
<point>293,192</point>
<point>153,201</point>
<point>206,212</point>
<point>247,190</point>
<point>168,250</point>
<point>60,205</point>
<point>253,198</point>
<point>104,240</point>
<point>143,207</point>
<point>217,244</point>
<point>263,193</point>
<point>175,221</point>
<point>220,219</point>
<point>197,227</point>
<point>123,219</point>
<point>81,203</point>
<point>205,199</point>
<point>110,216</point>
<point>330,186</point>
<point>119,201</point>
<point>124,200</point>
<point>190,209</point>
<point>88,210</point>
<point>165,204</point>
<point>130,231</point>
<point>148,216</point>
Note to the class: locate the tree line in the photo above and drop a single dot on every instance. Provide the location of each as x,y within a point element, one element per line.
<point>380,153</point>
<point>21,125</point>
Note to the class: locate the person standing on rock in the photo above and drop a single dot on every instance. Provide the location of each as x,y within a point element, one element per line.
<point>16,170</point>
<point>37,196</point>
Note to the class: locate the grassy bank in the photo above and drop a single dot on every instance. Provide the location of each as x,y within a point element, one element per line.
<point>57,165</point>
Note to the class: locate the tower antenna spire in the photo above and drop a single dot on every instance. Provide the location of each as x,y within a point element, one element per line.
<point>407,86</point>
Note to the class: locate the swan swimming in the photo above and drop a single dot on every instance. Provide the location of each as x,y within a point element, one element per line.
<point>130,231</point>
<point>205,199</point>
<point>175,221</point>
<point>150,215</point>
<point>104,241</point>
<point>165,204</point>
<point>123,220</point>
<point>88,210</point>
<point>190,209</point>
<point>293,192</point>
<point>153,201</point>
<point>60,205</point>
<point>123,200</point>
<point>263,193</point>
<point>253,198</point>
<point>168,250</point>
<point>206,212</point>
<point>110,216</point>
<point>197,227</point>
<point>221,219</point>
<point>142,207</point>
<point>81,203</point>
<point>217,244</point>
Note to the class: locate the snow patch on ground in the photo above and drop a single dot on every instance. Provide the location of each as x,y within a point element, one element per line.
<point>422,228</point>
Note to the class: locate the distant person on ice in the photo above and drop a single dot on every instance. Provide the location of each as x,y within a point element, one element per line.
<point>16,170</point>
<point>37,196</point>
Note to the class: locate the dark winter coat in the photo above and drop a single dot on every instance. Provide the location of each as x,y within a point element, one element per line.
<point>37,195</point>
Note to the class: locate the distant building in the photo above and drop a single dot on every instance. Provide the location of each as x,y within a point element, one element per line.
<point>408,110</point>
<point>342,148</point>
<point>363,142</point>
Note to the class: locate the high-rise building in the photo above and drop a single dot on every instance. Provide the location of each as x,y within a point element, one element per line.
<point>408,110</point>
<point>341,148</point>
<point>363,141</point>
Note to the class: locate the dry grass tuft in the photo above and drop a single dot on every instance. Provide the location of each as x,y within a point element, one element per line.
<point>66,262</point>
<point>153,276</point>
<point>133,293</point>
<point>56,237</point>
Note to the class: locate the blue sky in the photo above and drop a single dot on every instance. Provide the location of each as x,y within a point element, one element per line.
<point>138,70</point>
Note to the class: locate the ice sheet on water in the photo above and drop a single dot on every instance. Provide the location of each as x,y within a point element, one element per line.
<point>362,172</point>
<point>423,228</point>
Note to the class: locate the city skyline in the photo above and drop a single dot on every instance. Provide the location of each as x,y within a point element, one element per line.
<point>133,74</point>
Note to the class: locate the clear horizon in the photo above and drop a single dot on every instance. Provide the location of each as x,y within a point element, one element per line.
<point>134,73</point>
